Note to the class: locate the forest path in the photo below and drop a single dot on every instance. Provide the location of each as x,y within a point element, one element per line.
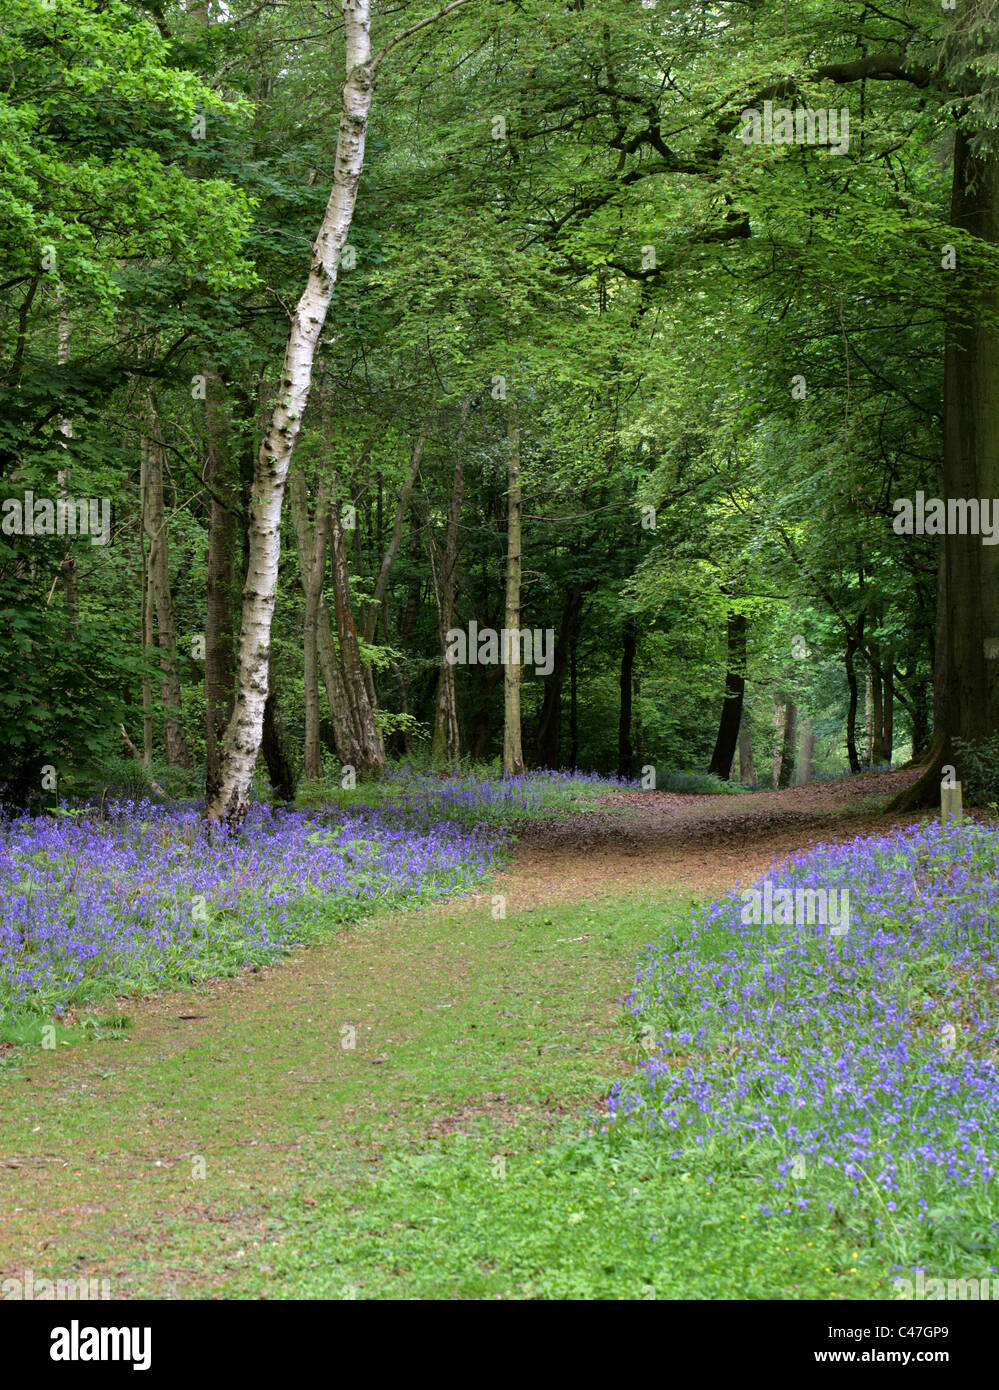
<point>163,1161</point>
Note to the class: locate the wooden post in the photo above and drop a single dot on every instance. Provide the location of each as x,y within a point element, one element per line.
<point>950,804</point>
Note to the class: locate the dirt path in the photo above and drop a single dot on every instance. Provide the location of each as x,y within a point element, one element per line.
<point>705,844</point>
<point>157,1160</point>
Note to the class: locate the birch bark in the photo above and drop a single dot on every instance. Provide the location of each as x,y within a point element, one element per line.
<point>242,738</point>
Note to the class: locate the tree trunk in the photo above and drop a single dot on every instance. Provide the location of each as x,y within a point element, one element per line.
<point>313,583</point>
<point>147,626</point>
<point>778,716</point>
<point>513,756</point>
<point>747,768</point>
<point>243,736</point>
<point>445,746</point>
<point>966,672</point>
<point>370,617</point>
<point>371,753</point>
<point>277,759</point>
<point>220,654</point>
<point>852,644</point>
<point>868,718</point>
<point>159,577</point>
<point>629,645</point>
<point>549,739</point>
<point>968,601</point>
<point>735,684</point>
<point>806,748</point>
<point>68,566</point>
<point>345,739</point>
<point>573,701</point>
<point>789,745</point>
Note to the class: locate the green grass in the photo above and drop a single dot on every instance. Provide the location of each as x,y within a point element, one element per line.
<point>446,1155</point>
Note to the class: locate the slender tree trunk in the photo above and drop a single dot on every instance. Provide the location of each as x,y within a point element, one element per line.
<point>852,645</point>
<point>371,751</point>
<point>779,713</point>
<point>735,684</point>
<point>345,739</point>
<point>573,700</point>
<point>747,768</point>
<point>629,645</point>
<point>68,566</point>
<point>220,653</point>
<point>313,594</point>
<point>868,719</point>
<point>372,610</point>
<point>147,624</point>
<point>789,745</point>
<point>513,756</point>
<point>806,748</point>
<point>159,574</point>
<point>445,747</point>
<point>888,712</point>
<point>549,741</point>
<point>242,739</point>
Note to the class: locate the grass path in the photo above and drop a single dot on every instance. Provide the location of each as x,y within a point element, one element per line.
<point>474,1037</point>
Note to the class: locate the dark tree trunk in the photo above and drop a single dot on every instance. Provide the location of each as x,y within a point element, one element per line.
<point>789,746</point>
<point>280,768</point>
<point>220,649</point>
<point>625,752</point>
<point>735,686</point>
<point>747,766</point>
<point>966,675</point>
<point>549,739</point>
<point>852,645</point>
<point>573,701</point>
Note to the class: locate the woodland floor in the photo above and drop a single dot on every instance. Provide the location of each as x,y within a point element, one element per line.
<point>465,1026</point>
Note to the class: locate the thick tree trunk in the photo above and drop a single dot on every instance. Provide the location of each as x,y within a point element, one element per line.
<point>966,671</point>
<point>735,684</point>
<point>220,652</point>
<point>159,576</point>
<point>629,645</point>
<point>513,756</point>
<point>242,739</point>
<point>968,599</point>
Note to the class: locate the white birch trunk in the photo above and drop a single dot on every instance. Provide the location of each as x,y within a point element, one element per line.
<point>242,738</point>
